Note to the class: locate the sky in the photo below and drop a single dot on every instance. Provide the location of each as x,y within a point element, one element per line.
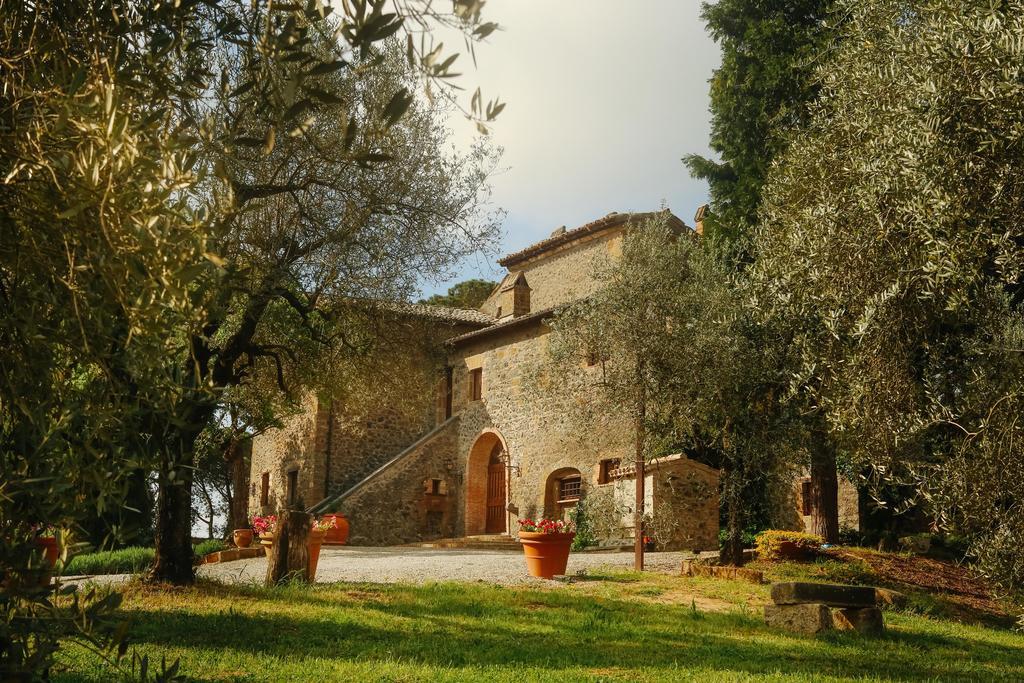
<point>604,98</point>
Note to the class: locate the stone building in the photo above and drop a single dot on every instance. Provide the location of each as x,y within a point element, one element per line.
<point>487,445</point>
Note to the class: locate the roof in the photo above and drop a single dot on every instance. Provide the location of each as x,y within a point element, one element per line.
<point>513,280</point>
<point>505,325</point>
<point>562,236</point>
<point>442,313</point>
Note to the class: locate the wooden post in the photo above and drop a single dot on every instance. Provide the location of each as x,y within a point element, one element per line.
<point>641,433</point>
<point>289,557</point>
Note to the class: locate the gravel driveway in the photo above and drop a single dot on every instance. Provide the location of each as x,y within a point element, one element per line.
<point>417,565</point>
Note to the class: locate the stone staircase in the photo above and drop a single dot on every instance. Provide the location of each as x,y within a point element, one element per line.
<point>482,542</point>
<point>334,499</point>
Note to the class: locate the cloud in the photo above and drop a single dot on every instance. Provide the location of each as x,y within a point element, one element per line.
<point>604,98</point>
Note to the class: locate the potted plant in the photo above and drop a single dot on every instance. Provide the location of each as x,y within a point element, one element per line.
<point>264,528</point>
<point>338,534</point>
<point>46,539</point>
<point>317,532</point>
<point>243,537</point>
<point>546,545</point>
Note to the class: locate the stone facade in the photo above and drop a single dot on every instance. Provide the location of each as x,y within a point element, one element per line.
<point>294,448</point>
<point>849,505</point>
<point>501,442</point>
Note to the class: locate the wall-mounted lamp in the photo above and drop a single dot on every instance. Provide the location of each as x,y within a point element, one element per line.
<point>504,458</point>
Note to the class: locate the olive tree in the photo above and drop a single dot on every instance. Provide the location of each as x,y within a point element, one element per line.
<point>890,244</point>
<point>682,362</point>
<point>135,275</point>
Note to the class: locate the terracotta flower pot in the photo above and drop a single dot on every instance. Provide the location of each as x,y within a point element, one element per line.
<point>546,554</point>
<point>316,538</point>
<point>339,534</point>
<point>242,537</point>
<point>50,552</point>
<point>50,555</point>
<point>267,541</point>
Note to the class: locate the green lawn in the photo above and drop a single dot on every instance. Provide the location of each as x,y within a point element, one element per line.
<point>614,626</point>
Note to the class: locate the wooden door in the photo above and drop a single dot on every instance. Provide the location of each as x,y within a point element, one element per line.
<point>496,498</point>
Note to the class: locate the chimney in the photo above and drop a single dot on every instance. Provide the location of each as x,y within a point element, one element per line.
<point>514,296</point>
<point>698,219</point>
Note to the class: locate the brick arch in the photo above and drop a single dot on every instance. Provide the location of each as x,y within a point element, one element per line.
<point>476,479</point>
<point>552,509</point>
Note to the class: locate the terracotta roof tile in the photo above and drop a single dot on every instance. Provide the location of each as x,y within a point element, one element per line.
<point>505,325</point>
<point>565,236</point>
<point>444,313</point>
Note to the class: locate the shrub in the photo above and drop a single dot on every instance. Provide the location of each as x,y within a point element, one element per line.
<point>769,543</point>
<point>211,546</point>
<point>584,533</point>
<point>125,561</point>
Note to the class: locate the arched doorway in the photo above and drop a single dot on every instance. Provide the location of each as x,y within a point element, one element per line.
<point>486,486</point>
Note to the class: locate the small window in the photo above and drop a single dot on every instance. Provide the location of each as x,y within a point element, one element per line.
<point>476,384</point>
<point>265,489</point>
<point>499,312</point>
<point>435,487</point>
<point>293,486</point>
<point>805,497</point>
<point>570,488</point>
<point>595,357</point>
<point>609,471</point>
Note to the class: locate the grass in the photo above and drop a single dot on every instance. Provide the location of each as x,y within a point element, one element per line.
<point>124,561</point>
<point>608,626</point>
<point>130,560</point>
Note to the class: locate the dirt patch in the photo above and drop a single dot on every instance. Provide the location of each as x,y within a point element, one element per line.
<point>685,598</point>
<point>967,597</point>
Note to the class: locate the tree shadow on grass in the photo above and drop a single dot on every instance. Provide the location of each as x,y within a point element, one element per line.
<point>460,626</point>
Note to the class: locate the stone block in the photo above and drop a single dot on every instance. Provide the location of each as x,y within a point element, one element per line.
<point>833,595</point>
<point>865,620</point>
<point>697,568</point>
<point>809,619</point>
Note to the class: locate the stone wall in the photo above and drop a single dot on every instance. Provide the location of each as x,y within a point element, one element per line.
<point>362,441</point>
<point>299,445</point>
<point>372,415</point>
<point>564,273</point>
<point>543,437</point>
<point>849,505</point>
<point>412,500</point>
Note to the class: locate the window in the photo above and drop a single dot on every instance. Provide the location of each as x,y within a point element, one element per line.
<point>293,486</point>
<point>805,497</point>
<point>265,489</point>
<point>570,488</point>
<point>608,471</point>
<point>499,312</point>
<point>435,487</point>
<point>594,357</point>
<point>476,384</point>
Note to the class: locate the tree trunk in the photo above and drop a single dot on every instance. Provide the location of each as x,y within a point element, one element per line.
<point>638,512</point>
<point>824,490</point>
<point>289,557</point>
<point>173,562</point>
<point>238,500</point>
<point>732,550</point>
